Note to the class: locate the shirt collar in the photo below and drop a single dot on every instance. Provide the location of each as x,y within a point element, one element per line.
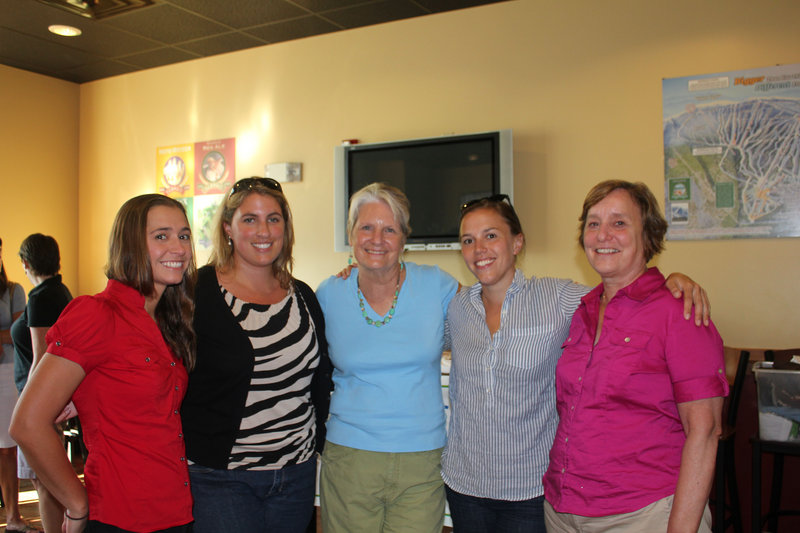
<point>52,280</point>
<point>639,290</point>
<point>516,286</point>
<point>124,293</point>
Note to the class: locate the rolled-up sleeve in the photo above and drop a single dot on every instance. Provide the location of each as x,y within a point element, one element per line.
<point>80,333</point>
<point>696,360</point>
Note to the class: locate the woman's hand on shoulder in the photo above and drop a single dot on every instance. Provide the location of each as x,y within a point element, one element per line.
<point>345,272</point>
<point>693,296</point>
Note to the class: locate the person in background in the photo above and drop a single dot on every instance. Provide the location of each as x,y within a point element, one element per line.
<point>12,303</point>
<point>257,400</point>
<point>122,356</point>
<point>385,325</point>
<point>41,262</point>
<point>639,389</point>
<point>505,333</point>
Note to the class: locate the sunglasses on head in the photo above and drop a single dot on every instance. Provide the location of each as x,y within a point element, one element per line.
<point>247,184</point>
<point>497,198</point>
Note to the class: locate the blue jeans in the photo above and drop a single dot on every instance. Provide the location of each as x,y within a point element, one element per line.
<point>278,501</point>
<point>471,514</point>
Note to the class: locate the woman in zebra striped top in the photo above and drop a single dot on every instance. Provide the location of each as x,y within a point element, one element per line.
<point>257,401</point>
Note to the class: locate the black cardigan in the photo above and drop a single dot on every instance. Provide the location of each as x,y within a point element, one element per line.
<point>215,398</point>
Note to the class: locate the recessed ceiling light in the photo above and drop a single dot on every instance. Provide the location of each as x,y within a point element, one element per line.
<point>65,31</point>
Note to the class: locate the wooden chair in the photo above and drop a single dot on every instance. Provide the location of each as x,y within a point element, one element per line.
<point>725,473</point>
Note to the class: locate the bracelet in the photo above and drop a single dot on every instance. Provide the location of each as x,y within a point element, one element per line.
<point>84,517</point>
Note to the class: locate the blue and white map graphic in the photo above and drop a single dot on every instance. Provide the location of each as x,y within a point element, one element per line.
<point>732,154</point>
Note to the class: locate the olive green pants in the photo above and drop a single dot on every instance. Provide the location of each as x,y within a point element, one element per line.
<point>370,492</point>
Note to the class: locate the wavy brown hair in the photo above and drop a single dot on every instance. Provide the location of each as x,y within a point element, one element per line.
<point>653,222</point>
<point>129,263</point>
<point>222,253</point>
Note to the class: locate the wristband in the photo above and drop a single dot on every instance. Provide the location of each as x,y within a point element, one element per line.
<point>84,517</point>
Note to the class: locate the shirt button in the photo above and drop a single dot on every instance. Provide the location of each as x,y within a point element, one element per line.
<point>58,343</point>
<point>176,387</point>
<point>566,439</point>
<point>580,378</point>
<point>183,459</point>
<point>180,435</point>
<point>627,339</point>
<point>185,483</point>
<point>569,339</point>
<point>146,359</point>
<point>175,412</point>
<point>563,470</point>
<point>172,363</point>
<point>572,408</point>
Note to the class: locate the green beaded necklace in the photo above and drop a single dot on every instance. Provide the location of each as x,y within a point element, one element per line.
<point>390,314</point>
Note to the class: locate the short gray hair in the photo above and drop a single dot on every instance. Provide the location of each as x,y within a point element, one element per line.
<point>380,192</point>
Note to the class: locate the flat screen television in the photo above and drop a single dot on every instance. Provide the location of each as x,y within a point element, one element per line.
<point>438,175</point>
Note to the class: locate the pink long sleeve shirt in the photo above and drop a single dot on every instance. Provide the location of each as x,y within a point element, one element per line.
<point>619,439</point>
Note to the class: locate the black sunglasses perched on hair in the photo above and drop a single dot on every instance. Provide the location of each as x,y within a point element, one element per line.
<point>249,183</point>
<point>498,198</point>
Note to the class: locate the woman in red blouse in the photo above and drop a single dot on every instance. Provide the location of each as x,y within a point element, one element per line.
<point>121,356</point>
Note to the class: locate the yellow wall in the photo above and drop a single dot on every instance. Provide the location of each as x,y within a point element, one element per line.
<point>579,82</point>
<point>39,180</point>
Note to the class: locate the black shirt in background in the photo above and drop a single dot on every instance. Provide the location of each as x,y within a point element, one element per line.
<point>45,303</point>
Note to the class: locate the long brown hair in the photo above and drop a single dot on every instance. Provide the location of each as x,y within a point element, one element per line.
<point>222,253</point>
<point>129,263</point>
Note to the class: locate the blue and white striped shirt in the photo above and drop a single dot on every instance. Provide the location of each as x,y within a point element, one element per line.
<point>502,387</point>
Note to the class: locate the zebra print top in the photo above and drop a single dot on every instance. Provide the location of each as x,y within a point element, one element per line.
<point>278,424</point>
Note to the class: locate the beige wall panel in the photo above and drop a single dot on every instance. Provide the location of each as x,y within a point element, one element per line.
<point>579,82</point>
<point>39,180</point>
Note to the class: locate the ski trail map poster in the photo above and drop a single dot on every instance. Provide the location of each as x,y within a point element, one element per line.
<point>732,154</point>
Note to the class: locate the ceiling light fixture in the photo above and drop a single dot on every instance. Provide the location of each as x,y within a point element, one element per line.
<point>65,31</point>
<point>98,9</point>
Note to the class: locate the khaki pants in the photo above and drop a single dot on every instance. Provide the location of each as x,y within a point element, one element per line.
<point>363,491</point>
<point>651,519</point>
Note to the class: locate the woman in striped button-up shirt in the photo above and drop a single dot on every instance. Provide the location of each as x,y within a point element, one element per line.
<point>505,333</point>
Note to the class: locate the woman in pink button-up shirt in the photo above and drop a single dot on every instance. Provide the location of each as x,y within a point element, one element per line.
<point>639,388</point>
